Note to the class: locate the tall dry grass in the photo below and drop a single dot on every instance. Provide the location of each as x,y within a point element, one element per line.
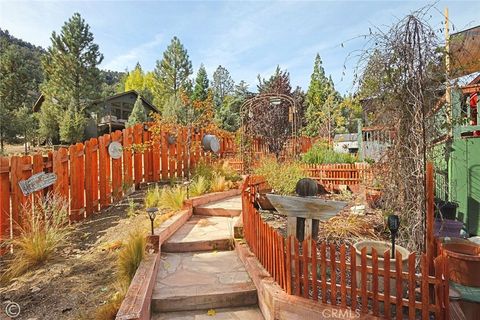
<point>43,229</point>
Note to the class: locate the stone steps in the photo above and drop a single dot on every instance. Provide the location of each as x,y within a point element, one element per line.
<point>238,313</point>
<point>202,233</point>
<point>230,207</point>
<point>202,281</point>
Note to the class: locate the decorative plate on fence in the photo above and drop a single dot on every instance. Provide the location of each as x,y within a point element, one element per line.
<point>37,182</point>
<point>115,150</point>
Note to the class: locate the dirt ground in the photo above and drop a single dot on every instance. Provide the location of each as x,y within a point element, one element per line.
<point>81,276</point>
<point>19,149</point>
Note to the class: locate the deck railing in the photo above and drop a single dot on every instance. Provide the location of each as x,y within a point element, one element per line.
<point>338,275</point>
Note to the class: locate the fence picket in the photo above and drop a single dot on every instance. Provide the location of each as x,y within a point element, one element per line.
<point>364,280</point>
<point>4,198</point>
<point>353,276</point>
<point>305,267</point>
<point>386,283</point>
<point>424,289</point>
<point>333,275</point>
<point>411,286</point>
<point>289,264</point>
<point>314,270</point>
<point>323,267</point>
<point>375,281</point>
<point>297,267</point>
<point>117,190</point>
<point>398,281</point>
<point>343,276</point>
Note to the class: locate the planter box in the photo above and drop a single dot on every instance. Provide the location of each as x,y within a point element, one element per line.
<point>380,247</point>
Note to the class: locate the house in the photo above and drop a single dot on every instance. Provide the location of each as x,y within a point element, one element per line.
<point>345,143</point>
<point>111,112</point>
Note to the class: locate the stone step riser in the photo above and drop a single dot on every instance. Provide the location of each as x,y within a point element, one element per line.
<point>219,245</point>
<point>205,302</point>
<point>216,212</point>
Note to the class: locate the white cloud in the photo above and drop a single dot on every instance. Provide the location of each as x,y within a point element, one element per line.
<point>120,62</point>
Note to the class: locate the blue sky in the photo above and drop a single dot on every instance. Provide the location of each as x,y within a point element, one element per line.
<point>247,37</point>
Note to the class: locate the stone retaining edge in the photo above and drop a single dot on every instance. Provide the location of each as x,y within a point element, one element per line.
<point>137,302</point>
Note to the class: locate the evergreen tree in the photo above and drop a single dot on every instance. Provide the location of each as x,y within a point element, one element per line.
<point>138,114</point>
<point>172,72</point>
<point>200,90</point>
<point>227,116</point>
<point>319,90</point>
<point>72,77</point>
<point>26,125</point>
<point>20,75</point>
<point>222,85</point>
<point>72,125</point>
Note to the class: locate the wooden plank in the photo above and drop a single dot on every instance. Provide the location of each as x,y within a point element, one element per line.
<point>37,167</point>
<point>94,177</point>
<point>283,272</point>
<point>289,264</point>
<point>386,284</point>
<point>411,286</point>
<point>305,207</point>
<point>297,267</point>
<point>147,157</point>
<point>172,149</point>
<point>424,289</point>
<point>164,155</point>
<point>127,156</point>
<point>88,178</point>
<point>104,177</point>
<point>343,276</point>
<point>305,246</point>
<point>117,190</point>
<point>314,270</point>
<point>4,200</point>
<point>323,270</point>
<point>156,152</point>
<point>353,276</point>
<point>60,168</point>
<point>179,158</point>
<point>375,281</point>
<point>138,156</point>
<point>399,284</point>
<point>364,280</point>
<point>333,275</point>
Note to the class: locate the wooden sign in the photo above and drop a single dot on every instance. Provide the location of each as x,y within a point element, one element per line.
<point>37,182</point>
<point>306,207</point>
<point>115,150</point>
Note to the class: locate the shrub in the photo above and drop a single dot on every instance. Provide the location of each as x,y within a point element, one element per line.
<point>221,168</point>
<point>152,197</point>
<point>282,177</point>
<point>130,256</point>
<point>132,208</point>
<point>218,183</point>
<point>172,198</point>
<point>321,153</point>
<point>199,186</point>
<point>41,232</point>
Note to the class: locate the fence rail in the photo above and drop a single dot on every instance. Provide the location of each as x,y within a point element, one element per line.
<point>89,179</point>
<point>339,275</point>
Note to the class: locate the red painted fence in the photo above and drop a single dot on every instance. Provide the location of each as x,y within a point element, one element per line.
<point>89,179</point>
<point>334,274</point>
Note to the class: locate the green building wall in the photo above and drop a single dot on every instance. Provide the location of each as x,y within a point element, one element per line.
<point>464,181</point>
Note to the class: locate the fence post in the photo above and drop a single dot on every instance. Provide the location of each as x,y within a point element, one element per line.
<point>4,198</point>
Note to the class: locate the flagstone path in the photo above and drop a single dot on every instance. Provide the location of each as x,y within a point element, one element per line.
<point>200,277</point>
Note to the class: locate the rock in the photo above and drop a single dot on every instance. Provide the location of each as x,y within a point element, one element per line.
<point>35,289</point>
<point>358,210</point>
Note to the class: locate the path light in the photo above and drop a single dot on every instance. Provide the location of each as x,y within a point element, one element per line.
<point>393,225</point>
<point>152,213</point>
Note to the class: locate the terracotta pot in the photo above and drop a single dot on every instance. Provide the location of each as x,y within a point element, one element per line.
<point>463,262</point>
<point>373,197</point>
<point>380,247</point>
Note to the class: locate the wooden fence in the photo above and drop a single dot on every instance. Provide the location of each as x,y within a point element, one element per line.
<point>338,275</point>
<point>340,173</point>
<point>89,179</point>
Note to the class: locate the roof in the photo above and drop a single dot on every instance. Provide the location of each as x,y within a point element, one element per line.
<point>37,105</point>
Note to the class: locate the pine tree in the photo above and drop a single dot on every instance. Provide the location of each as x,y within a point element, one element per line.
<point>20,75</point>
<point>138,113</point>
<point>319,90</point>
<point>222,85</point>
<point>172,72</point>
<point>72,77</point>
<point>200,91</point>
<point>26,125</point>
